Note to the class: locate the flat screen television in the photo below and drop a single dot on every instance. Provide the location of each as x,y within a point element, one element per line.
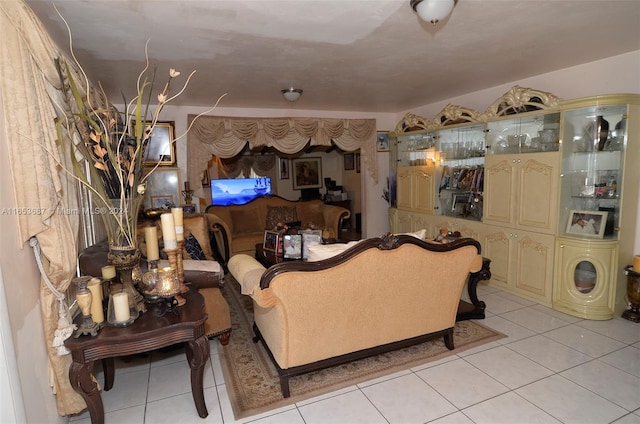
<point>238,191</point>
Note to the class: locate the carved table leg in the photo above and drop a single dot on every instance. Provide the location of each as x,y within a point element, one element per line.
<point>197,355</point>
<point>81,381</point>
<point>109,373</point>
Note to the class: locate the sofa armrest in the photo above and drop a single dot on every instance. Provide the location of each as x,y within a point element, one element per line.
<point>219,234</point>
<point>247,271</point>
<point>333,216</point>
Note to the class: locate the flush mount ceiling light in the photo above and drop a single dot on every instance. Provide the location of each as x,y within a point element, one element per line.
<point>292,94</point>
<point>433,10</point>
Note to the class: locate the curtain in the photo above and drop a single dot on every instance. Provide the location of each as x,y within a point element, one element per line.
<point>30,85</point>
<point>226,137</point>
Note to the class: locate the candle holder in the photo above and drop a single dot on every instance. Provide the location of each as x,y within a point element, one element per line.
<point>162,288</point>
<point>188,197</point>
<point>175,257</point>
<point>120,312</point>
<point>180,268</point>
<point>83,297</point>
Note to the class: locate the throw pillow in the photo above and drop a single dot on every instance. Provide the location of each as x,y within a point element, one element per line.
<point>193,248</point>
<point>197,226</point>
<point>245,221</point>
<point>280,214</point>
<point>311,215</point>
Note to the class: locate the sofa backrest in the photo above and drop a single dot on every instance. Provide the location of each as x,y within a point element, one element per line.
<point>255,217</point>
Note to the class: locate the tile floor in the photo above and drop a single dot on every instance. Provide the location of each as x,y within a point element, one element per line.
<point>552,368</point>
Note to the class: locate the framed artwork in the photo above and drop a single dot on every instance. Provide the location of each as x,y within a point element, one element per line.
<point>307,173</point>
<point>349,161</point>
<point>587,223</point>
<point>161,147</point>
<point>382,141</point>
<point>284,169</point>
<point>292,246</point>
<point>206,180</point>
<point>357,160</point>
<point>162,188</point>
<point>270,241</point>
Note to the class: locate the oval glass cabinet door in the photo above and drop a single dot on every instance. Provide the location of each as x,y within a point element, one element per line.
<point>585,277</point>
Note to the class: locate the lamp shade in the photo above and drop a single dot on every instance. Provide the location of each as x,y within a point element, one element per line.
<point>292,94</point>
<point>433,10</point>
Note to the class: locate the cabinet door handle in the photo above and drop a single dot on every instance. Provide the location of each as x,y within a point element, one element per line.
<point>519,161</point>
<point>562,246</point>
<point>513,161</point>
<point>516,236</point>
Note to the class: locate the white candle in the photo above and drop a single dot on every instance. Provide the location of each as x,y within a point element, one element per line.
<point>151,238</point>
<point>108,272</point>
<point>636,263</point>
<point>168,231</point>
<point>97,313</point>
<point>177,221</point>
<point>121,306</point>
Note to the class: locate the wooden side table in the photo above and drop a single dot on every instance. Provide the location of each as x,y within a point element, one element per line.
<point>148,332</point>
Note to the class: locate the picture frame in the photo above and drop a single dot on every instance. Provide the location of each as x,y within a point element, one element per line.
<point>382,141</point>
<point>284,168</point>
<point>161,148</point>
<point>206,179</point>
<point>163,185</point>
<point>357,161</point>
<point>349,161</point>
<point>270,242</point>
<point>587,223</point>
<point>292,246</point>
<point>307,173</point>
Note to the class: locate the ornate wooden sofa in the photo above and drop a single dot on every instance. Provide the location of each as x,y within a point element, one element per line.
<point>379,295</point>
<point>238,228</point>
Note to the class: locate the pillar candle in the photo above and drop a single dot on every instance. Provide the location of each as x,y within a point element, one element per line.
<point>168,231</point>
<point>177,221</point>
<point>151,238</point>
<point>186,185</point>
<point>108,272</point>
<point>121,306</point>
<point>636,263</point>
<point>97,313</point>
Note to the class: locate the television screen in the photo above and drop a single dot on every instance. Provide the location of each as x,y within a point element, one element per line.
<point>238,191</point>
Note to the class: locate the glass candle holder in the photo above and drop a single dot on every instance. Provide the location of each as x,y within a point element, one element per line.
<point>167,283</point>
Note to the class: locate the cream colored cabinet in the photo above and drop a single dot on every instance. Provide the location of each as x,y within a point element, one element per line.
<point>407,222</point>
<point>585,283</point>
<point>522,191</point>
<point>521,262</point>
<point>415,188</point>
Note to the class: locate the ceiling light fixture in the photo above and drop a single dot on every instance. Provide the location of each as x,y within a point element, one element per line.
<point>292,94</point>
<point>433,10</point>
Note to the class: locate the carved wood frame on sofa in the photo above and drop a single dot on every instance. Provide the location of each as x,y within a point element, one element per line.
<point>425,309</point>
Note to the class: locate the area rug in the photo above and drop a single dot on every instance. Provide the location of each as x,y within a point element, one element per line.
<point>252,381</point>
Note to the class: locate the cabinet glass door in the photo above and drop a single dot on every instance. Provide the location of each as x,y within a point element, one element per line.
<point>528,134</point>
<point>416,149</point>
<point>594,141</point>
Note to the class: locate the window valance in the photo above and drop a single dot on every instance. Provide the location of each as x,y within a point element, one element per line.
<point>226,137</point>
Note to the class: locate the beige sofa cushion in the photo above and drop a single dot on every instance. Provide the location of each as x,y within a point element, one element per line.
<point>246,221</point>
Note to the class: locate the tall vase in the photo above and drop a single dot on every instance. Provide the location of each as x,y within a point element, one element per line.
<point>124,259</point>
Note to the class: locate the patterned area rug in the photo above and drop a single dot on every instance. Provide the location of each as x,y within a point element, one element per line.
<point>252,381</point>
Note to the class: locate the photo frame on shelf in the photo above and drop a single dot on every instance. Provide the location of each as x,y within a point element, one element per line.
<point>161,147</point>
<point>284,168</point>
<point>163,186</point>
<point>587,223</point>
<point>307,173</point>
<point>382,141</point>
<point>292,246</point>
<point>349,161</point>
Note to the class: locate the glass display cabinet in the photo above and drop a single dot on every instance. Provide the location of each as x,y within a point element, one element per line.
<point>593,205</point>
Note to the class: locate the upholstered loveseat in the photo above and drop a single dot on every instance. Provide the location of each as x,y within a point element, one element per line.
<point>238,228</point>
<point>379,295</point>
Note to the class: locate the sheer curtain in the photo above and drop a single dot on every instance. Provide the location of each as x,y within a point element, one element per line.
<point>30,86</point>
<point>226,137</point>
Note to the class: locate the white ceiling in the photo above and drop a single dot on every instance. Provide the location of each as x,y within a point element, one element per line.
<point>348,55</point>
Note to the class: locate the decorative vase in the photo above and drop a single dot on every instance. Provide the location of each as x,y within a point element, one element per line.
<point>125,259</point>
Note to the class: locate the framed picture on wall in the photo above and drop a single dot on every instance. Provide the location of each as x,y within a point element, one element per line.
<point>349,161</point>
<point>161,147</point>
<point>284,169</point>
<point>307,173</point>
<point>382,141</point>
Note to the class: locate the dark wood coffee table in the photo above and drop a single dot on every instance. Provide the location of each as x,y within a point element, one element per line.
<point>147,333</point>
<point>466,310</point>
